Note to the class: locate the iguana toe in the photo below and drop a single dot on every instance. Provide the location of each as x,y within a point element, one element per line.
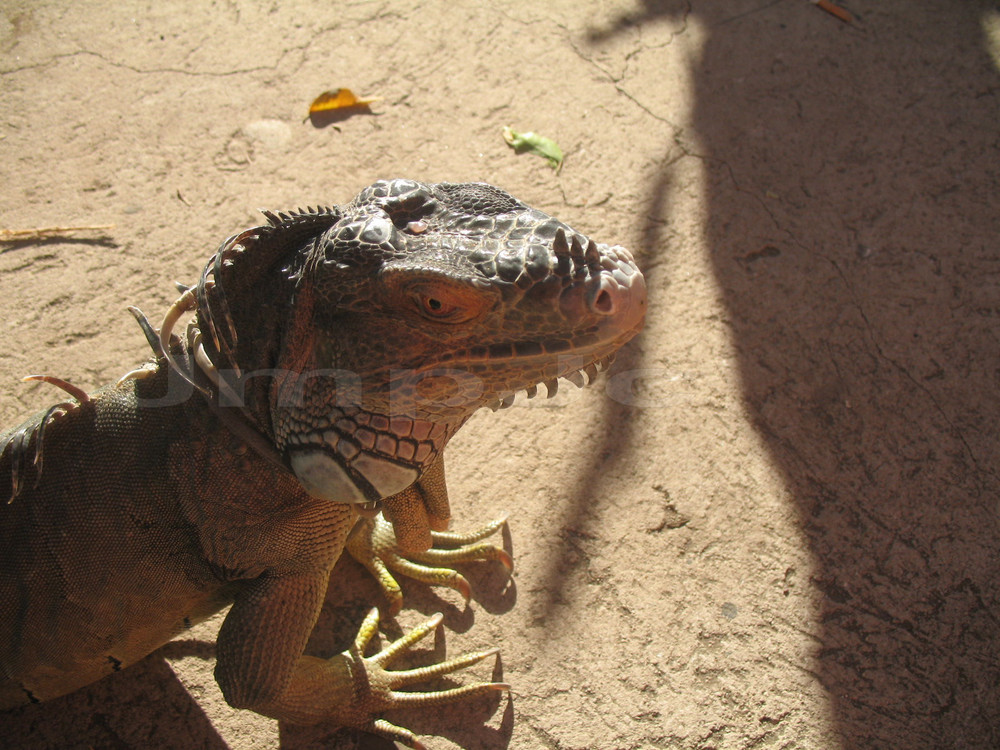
<point>373,544</point>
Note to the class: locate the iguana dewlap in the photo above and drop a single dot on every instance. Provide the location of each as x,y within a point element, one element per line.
<point>332,355</point>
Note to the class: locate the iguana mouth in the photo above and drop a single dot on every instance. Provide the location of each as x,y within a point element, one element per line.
<point>579,377</point>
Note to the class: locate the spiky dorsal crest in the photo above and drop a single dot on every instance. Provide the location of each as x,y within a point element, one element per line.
<point>239,291</point>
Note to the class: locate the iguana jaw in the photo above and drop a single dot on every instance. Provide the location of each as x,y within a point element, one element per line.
<point>364,457</point>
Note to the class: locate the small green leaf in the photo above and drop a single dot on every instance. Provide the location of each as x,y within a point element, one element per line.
<point>536,144</point>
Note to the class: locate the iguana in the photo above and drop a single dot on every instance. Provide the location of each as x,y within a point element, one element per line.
<point>331,355</point>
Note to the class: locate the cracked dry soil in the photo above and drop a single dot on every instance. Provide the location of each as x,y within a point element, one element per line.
<point>775,526</point>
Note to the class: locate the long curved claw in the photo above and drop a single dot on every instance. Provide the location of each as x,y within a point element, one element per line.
<point>404,643</point>
<point>457,538</point>
<point>455,547</point>
<point>373,544</point>
<point>394,733</point>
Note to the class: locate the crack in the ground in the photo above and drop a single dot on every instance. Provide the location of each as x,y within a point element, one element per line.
<point>618,81</point>
<point>142,71</point>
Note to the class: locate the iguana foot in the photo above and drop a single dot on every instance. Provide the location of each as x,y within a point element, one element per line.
<point>373,544</point>
<point>387,696</point>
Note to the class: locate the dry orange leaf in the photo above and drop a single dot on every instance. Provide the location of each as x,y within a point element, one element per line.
<point>834,10</point>
<point>338,99</point>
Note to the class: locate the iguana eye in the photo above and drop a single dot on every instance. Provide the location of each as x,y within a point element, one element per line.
<point>447,303</point>
<point>434,306</point>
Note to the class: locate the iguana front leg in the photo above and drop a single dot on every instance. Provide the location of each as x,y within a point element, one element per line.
<point>410,540</point>
<point>367,688</point>
<point>261,666</point>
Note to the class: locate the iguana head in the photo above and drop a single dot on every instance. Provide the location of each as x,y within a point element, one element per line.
<point>396,316</point>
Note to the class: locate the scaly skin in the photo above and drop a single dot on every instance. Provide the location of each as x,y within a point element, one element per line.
<point>332,355</point>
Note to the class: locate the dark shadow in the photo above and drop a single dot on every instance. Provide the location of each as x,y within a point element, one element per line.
<point>853,224</point>
<point>330,117</point>
<point>7,246</point>
<point>470,731</point>
<point>648,11</point>
<point>579,522</point>
<point>142,706</point>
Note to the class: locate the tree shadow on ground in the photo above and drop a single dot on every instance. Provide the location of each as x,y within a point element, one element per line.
<point>852,228</point>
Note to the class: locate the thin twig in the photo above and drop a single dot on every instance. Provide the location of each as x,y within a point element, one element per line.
<point>41,233</point>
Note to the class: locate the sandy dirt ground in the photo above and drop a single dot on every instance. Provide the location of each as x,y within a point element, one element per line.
<point>774,526</point>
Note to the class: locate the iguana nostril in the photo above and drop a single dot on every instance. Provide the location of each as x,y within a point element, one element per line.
<point>606,296</point>
<point>604,303</point>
